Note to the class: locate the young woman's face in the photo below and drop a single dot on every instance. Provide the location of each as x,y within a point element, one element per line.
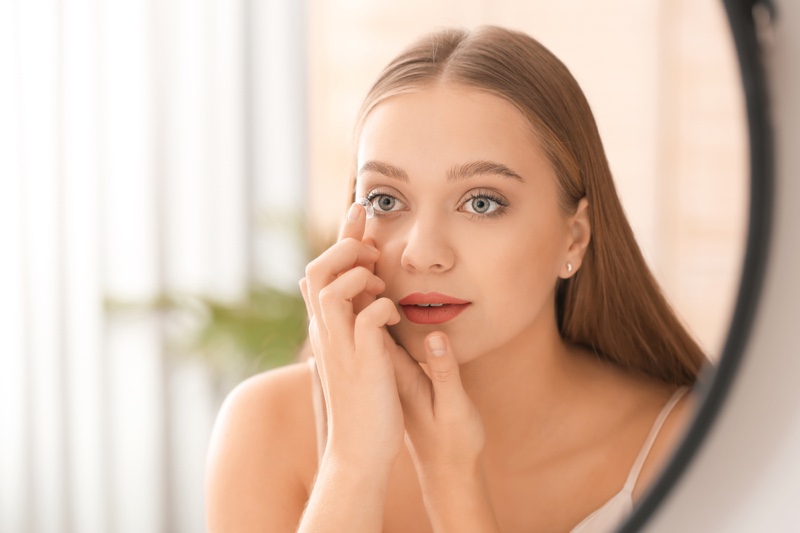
<point>466,206</point>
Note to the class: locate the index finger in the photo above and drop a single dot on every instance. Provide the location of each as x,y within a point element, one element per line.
<point>355,222</point>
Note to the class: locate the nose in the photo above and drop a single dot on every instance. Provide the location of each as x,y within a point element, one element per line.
<point>426,248</point>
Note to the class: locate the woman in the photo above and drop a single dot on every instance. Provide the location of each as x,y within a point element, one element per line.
<point>491,352</point>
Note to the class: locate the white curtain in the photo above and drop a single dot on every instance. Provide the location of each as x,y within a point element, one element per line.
<point>139,142</point>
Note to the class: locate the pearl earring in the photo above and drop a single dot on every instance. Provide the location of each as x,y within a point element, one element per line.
<point>569,267</point>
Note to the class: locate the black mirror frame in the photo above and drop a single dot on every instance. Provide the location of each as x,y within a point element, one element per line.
<point>714,384</point>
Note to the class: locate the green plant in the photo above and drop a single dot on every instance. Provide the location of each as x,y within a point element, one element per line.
<point>263,330</point>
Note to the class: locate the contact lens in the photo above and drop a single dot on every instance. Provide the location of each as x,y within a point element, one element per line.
<point>367,207</point>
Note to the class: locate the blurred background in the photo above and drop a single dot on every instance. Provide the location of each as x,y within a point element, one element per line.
<point>168,168</point>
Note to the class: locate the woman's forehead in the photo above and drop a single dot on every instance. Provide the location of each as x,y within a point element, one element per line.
<point>448,106</point>
<point>446,126</point>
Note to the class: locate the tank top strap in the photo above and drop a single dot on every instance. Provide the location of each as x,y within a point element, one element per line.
<point>320,412</point>
<point>633,476</point>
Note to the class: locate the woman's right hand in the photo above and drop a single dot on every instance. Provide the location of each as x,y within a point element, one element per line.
<point>352,349</point>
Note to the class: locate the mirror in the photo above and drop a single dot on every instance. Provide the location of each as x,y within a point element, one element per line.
<point>666,94</point>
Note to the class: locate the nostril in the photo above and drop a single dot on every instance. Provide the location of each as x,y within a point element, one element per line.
<point>427,250</point>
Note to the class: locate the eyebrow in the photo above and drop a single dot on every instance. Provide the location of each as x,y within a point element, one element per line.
<point>386,169</point>
<point>475,168</point>
<point>454,173</point>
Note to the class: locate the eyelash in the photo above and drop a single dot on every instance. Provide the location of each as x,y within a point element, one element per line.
<point>481,194</point>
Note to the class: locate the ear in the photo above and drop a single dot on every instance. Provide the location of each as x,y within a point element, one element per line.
<point>579,230</point>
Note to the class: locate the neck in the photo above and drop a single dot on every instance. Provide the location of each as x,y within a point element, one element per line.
<point>522,389</point>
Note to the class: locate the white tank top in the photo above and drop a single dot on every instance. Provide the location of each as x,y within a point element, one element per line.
<point>605,519</point>
<point>611,514</point>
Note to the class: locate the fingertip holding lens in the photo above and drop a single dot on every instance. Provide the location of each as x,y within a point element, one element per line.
<point>367,206</point>
<point>352,213</point>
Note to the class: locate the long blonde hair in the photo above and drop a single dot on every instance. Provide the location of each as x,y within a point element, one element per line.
<point>612,305</point>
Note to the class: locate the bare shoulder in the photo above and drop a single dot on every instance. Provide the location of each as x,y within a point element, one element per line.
<point>667,441</point>
<point>630,404</point>
<point>262,455</point>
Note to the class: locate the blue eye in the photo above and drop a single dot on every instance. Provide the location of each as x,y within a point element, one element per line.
<point>383,203</point>
<point>482,205</point>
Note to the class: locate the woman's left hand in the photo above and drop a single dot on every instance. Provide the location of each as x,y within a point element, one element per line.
<point>445,436</point>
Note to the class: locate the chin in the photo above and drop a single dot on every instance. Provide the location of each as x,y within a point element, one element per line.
<point>409,342</point>
<point>412,340</point>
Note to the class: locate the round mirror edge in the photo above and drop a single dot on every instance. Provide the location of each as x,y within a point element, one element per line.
<point>714,384</point>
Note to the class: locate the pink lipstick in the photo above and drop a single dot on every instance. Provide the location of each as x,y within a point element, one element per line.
<point>431,308</point>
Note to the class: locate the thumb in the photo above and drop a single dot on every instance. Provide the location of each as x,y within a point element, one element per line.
<point>448,393</point>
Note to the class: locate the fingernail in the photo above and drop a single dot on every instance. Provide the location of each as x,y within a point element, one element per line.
<point>352,214</point>
<point>436,345</point>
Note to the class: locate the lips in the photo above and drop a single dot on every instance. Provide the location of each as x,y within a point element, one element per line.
<point>418,298</point>
<point>431,308</point>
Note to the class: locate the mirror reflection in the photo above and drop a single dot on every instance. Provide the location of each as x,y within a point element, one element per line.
<point>662,83</point>
<point>580,220</point>
<point>448,108</point>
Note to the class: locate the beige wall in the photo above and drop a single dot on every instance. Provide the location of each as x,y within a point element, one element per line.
<point>661,79</point>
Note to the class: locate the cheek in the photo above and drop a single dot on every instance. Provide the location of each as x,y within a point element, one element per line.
<point>514,270</point>
<point>510,262</point>
<point>379,232</point>
<point>391,252</point>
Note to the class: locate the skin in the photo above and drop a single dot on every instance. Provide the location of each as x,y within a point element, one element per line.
<point>511,428</point>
